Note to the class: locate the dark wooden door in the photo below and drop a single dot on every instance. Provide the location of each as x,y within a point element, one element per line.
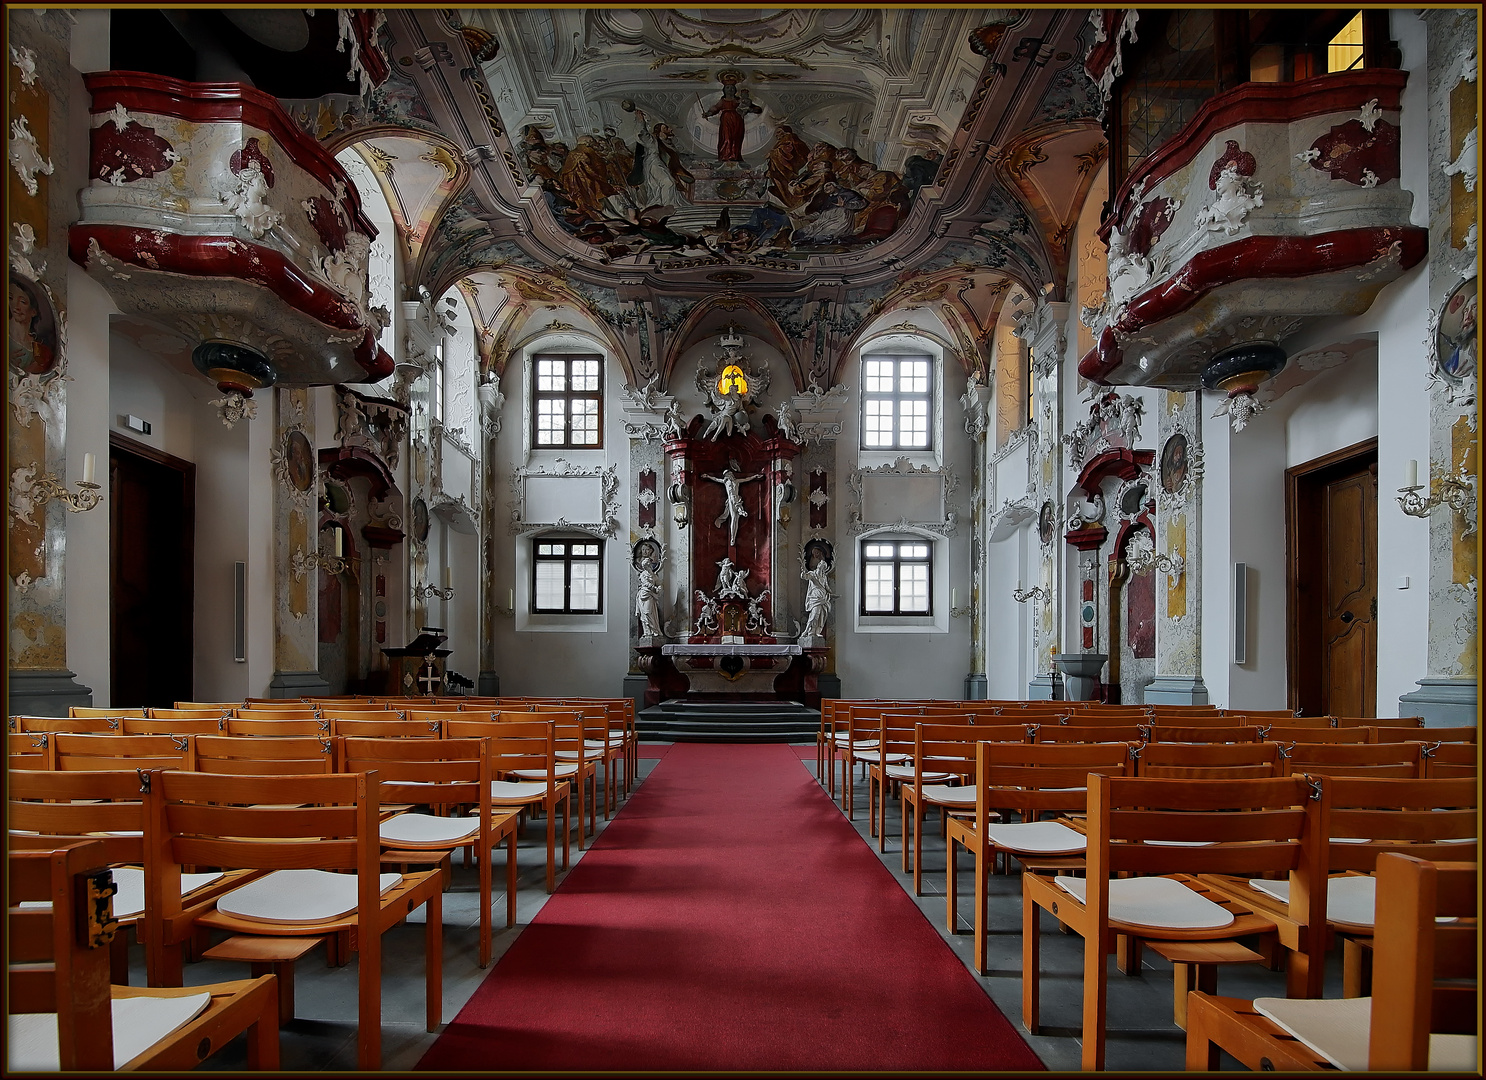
<point>152,522</point>
<point>1332,506</point>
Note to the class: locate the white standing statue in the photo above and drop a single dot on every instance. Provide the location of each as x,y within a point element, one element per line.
<point>818,597</point>
<point>733,511</point>
<point>647,602</point>
<point>730,581</point>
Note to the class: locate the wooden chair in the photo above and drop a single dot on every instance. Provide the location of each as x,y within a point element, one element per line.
<point>1181,712</point>
<point>1244,826</point>
<point>1107,714</point>
<point>89,711</point>
<point>442,775</point>
<point>251,755</point>
<point>277,703</point>
<point>1310,723</point>
<point>390,728</point>
<point>50,808</point>
<point>1269,714</point>
<point>1029,782</point>
<point>1287,734</point>
<point>28,749</point>
<point>606,744</point>
<point>1413,722</point>
<point>212,819</point>
<point>189,714</point>
<point>575,763</point>
<point>63,1009</point>
<point>1347,759</point>
<point>1423,1013</point>
<point>527,746</point>
<point>73,725</point>
<point>174,726</point>
<point>1215,719</point>
<point>228,705</point>
<point>895,741</point>
<point>838,738</point>
<point>1097,733</point>
<point>1450,759</point>
<point>93,753</point>
<point>303,712</point>
<point>1207,761</point>
<point>1203,733</point>
<point>377,714</point>
<point>862,746</point>
<point>1383,733</point>
<point>278,729</point>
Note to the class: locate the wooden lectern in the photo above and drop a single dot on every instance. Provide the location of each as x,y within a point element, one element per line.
<point>417,669</point>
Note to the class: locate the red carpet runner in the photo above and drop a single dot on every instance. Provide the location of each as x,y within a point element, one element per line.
<point>730,918</point>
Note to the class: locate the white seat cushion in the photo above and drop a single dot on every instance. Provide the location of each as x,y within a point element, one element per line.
<point>1349,900</point>
<point>861,744</point>
<point>905,772</point>
<point>1158,902</point>
<point>298,896</point>
<point>562,772</point>
<point>949,796</point>
<point>875,756</point>
<point>129,899</point>
<point>1338,1029</point>
<point>138,1024</point>
<point>516,789</point>
<point>1036,838</point>
<point>428,829</point>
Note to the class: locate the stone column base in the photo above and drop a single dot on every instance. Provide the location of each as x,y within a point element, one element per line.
<point>297,684</point>
<point>976,687</point>
<point>1442,702</point>
<point>1176,690</point>
<point>487,684</point>
<point>45,693</point>
<point>1045,687</point>
<point>829,684</point>
<point>634,689</point>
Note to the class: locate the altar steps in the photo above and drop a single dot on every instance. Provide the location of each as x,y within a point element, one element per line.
<point>681,720</point>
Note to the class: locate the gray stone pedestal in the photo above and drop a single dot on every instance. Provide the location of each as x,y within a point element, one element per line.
<point>45,693</point>
<point>976,687</point>
<point>1176,690</point>
<point>1442,702</point>
<point>1046,687</point>
<point>297,684</point>
<point>488,684</point>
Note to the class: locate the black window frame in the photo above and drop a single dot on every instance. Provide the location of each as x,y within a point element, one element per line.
<point>929,396</point>
<point>567,559</point>
<point>896,562</point>
<point>567,396</point>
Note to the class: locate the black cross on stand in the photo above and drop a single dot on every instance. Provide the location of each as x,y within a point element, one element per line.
<point>428,676</point>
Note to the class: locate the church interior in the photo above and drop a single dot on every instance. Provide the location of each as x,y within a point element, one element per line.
<point>713,374</point>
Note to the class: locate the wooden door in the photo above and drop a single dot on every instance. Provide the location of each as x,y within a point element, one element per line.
<point>152,525</point>
<point>1332,511</point>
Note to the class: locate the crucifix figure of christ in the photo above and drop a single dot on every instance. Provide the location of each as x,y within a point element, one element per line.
<point>732,510</point>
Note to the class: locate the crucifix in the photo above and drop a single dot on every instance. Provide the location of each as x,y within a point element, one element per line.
<point>428,677</point>
<point>733,511</point>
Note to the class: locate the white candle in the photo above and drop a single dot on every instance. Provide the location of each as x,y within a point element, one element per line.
<point>511,598</point>
<point>1412,474</point>
<point>337,533</point>
<point>448,577</point>
<point>954,594</point>
<point>90,464</point>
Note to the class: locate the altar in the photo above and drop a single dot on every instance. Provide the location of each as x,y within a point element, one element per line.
<point>732,668</point>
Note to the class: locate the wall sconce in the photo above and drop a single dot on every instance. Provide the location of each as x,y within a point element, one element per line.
<point>1036,592</point>
<point>680,506</point>
<point>423,592</point>
<point>29,492</point>
<point>302,562</point>
<point>1456,492</point>
<point>509,611</point>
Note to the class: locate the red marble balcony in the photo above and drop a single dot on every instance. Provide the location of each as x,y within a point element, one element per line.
<point>210,213</point>
<point>1277,205</point>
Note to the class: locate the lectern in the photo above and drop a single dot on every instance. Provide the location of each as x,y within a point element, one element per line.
<point>417,669</point>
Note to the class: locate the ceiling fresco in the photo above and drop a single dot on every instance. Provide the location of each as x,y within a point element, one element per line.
<point>826,167</point>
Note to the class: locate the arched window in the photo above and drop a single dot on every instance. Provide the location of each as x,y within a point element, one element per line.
<point>897,401</point>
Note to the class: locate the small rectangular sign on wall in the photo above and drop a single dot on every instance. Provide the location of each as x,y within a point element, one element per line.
<point>1240,613</point>
<point>239,612</point>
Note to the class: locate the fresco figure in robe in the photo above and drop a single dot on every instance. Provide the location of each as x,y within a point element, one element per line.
<point>730,110</point>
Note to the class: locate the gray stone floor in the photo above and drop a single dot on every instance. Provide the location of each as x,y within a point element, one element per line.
<point>1142,1036</point>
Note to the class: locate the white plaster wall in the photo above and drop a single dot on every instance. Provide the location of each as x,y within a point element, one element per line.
<point>1217,564</point>
<point>87,564</point>
<point>223,530</point>
<point>1339,408</point>
<point>1256,489</point>
<point>1009,625</point>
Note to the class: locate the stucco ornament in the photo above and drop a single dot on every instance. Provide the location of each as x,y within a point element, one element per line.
<point>232,407</point>
<point>246,195</point>
<point>1236,196</point>
<point>25,155</point>
<point>1464,164</point>
<point>24,496</point>
<point>346,270</point>
<point>1240,409</point>
<point>24,59</point>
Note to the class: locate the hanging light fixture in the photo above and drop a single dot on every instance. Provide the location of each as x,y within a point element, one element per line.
<point>1238,373</point>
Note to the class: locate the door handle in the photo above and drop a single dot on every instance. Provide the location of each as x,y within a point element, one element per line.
<point>1347,616</point>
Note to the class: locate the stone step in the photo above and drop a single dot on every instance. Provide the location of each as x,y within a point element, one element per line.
<point>711,721</point>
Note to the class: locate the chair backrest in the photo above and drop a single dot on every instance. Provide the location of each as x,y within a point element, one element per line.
<point>438,773</point>
<point>105,752</point>
<point>80,804</point>
<point>1265,714</point>
<point>1033,780</point>
<point>254,755</point>
<point>302,712</point>
<point>1096,733</point>
<point>514,744</point>
<point>173,726</point>
<point>1182,710</point>
<point>1090,713</point>
<point>1450,759</point>
<point>57,951</point>
<point>430,712</point>
<point>228,705</point>
<point>28,749</point>
<point>363,712</point>
<point>1213,761</point>
<point>1353,759</point>
<point>1213,718</point>
<point>1287,734</point>
<point>1380,733</point>
<point>1203,733</point>
<point>386,729</point>
<point>88,710</point>
<point>1437,818</point>
<point>1414,722</point>
<point>77,725</point>
<point>278,729</point>
<point>1424,970</point>
<point>190,714</point>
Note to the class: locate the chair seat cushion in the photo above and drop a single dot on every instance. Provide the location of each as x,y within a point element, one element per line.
<point>562,772</point>
<point>138,1024</point>
<point>297,896</point>
<point>875,756</point>
<point>1036,838</point>
<point>1160,903</point>
<point>428,829</point>
<point>505,790</point>
<point>1338,1029</point>
<point>1349,900</point>
<point>844,741</point>
<point>905,772</point>
<point>129,899</point>
<point>949,796</point>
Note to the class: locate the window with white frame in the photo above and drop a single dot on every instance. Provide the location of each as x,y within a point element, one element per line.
<point>897,402</point>
<point>567,575</point>
<point>897,576</point>
<point>567,401</point>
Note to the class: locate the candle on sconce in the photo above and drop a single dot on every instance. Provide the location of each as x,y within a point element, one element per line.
<point>511,598</point>
<point>90,464</point>
<point>448,577</point>
<point>338,543</point>
<point>954,594</point>
<point>1412,474</point>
